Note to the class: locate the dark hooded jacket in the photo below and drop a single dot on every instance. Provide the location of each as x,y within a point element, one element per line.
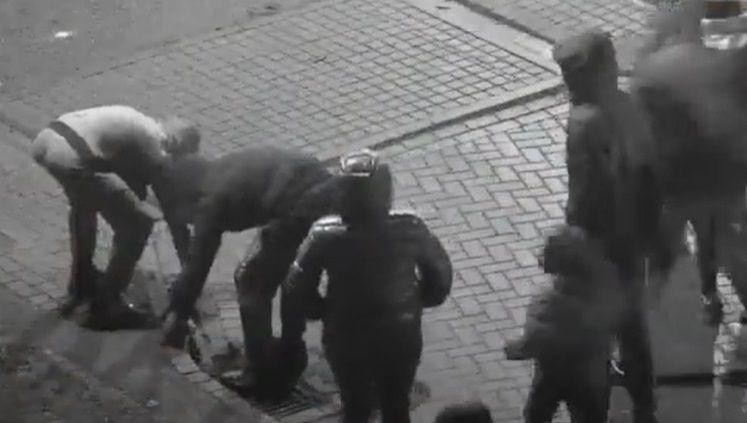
<point>383,267</point>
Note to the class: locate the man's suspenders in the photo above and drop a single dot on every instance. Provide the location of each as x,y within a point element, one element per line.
<point>81,147</point>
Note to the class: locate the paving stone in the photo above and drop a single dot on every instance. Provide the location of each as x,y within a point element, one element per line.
<point>289,80</point>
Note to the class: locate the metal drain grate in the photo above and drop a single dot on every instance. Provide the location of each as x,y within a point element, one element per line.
<point>303,398</point>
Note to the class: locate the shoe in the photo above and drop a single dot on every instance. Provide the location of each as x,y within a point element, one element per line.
<point>119,315</point>
<point>244,382</point>
<point>712,308</point>
<point>71,303</point>
<point>175,332</point>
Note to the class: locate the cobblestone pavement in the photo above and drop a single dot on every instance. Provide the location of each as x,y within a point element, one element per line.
<point>489,186</point>
<point>555,19</point>
<point>315,78</point>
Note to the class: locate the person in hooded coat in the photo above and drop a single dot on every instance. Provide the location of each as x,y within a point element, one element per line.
<point>374,302</point>
<point>569,331</point>
<point>614,190</point>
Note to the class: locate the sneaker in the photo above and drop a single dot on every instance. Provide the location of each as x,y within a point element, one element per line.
<point>118,315</point>
<point>712,308</point>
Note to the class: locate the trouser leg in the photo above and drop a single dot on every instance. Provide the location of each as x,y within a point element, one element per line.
<point>398,357</point>
<point>352,369</point>
<point>588,400</point>
<point>635,349</point>
<point>544,398</point>
<point>257,281</point>
<point>122,210</point>
<point>83,227</point>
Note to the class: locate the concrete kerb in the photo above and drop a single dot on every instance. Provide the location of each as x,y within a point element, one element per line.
<point>626,48</point>
<point>449,117</point>
<point>520,43</point>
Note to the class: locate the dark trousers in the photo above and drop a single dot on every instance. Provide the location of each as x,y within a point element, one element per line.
<point>90,194</point>
<point>376,364</point>
<point>584,387</point>
<point>258,279</point>
<point>633,335</point>
<point>637,361</point>
<point>719,225</point>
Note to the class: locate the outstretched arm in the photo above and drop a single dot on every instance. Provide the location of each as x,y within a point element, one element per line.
<point>201,254</point>
<point>435,269</point>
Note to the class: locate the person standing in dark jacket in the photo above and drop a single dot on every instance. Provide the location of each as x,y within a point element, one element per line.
<point>279,190</point>
<point>372,310</point>
<point>569,331</point>
<point>613,189</point>
<point>695,97</point>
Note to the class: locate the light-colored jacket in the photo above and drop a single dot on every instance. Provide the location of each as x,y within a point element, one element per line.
<point>109,131</point>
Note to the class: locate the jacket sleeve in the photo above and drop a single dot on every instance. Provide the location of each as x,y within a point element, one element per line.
<point>203,248</point>
<point>300,290</point>
<point>584,123</point>
<point>435,268</point>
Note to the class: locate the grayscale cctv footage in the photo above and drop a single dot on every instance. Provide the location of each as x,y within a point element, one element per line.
<point>395,211</point>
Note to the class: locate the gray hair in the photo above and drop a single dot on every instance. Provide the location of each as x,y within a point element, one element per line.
<point>182,136</point>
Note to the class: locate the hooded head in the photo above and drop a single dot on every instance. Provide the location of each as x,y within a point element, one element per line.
<point>366,194</point>
<point>588,64</point>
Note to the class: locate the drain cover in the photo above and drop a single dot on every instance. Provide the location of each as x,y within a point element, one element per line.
<point>304,397</point>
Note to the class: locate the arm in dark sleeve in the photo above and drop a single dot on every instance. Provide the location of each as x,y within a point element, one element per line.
<point>300,290</point>
<point>180,235</point>
<point>202,251</point>
<point>583,123</point>
<point>178,228</point>
<point>435,269</point>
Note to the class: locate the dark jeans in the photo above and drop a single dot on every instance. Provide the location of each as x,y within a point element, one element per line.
<point>258,278</point>
<point>584,387</point>
<point>376,363</point>
<point>89,194</point>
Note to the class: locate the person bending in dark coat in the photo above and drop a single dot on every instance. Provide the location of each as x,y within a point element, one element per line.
<point>279,190</point>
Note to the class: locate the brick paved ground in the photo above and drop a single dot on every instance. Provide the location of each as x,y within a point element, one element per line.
<point>555,19</point>
<point>489,186</point>
<point>316,78</point>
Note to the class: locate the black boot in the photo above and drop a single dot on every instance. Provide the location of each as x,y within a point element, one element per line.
<point>176,330</point>
<point>81,293</point>
<point>114,313</point>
